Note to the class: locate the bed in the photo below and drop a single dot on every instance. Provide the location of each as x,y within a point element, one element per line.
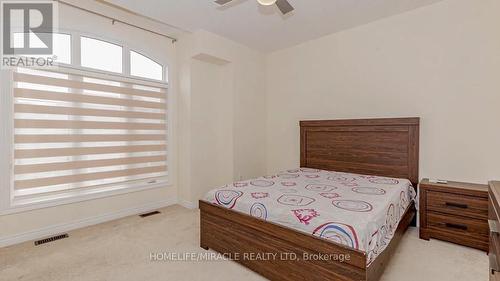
<point>331,219</point>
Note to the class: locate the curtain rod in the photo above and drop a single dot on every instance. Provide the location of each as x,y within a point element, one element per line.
<point>113,20</point>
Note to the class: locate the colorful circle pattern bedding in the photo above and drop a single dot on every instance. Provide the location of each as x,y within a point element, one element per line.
<point>358,211</point>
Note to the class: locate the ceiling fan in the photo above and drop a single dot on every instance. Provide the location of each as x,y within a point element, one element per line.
<point>283,5</point>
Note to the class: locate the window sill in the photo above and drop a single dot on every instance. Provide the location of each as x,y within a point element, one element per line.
<point>19,205</point>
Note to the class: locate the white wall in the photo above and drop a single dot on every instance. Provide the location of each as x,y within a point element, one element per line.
<point>440,62</point>
<point>32,224</point>
<point>222,114</point>
<point>212,140</point>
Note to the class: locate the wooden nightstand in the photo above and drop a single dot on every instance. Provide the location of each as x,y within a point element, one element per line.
<point>494,223</point>
<point>455,212</point>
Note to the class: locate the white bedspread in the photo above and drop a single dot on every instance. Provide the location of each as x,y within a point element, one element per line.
<point>361,212</point>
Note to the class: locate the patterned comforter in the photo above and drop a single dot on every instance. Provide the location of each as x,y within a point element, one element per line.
<point>361,212</point>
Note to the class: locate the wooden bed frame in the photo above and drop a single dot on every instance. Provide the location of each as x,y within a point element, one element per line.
<point>383,147</point>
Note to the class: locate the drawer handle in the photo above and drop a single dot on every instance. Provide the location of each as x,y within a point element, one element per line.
<point>457,205</point>
<point>456,226</point>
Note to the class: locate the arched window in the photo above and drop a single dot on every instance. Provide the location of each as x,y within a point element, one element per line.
<point>98,54</point>
<point>93,126</point>
<point>62,46</point>
<point>101,55</point>
<point>142,66</point>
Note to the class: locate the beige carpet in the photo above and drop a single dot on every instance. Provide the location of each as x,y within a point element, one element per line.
<point>120,250</point>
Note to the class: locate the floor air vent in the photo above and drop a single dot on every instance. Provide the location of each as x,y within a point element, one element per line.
<point>149,214</point>
<point>51,239</point>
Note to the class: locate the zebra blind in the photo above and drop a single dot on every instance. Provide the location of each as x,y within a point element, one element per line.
<point>74,131</point>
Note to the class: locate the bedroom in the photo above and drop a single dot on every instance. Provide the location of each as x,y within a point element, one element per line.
<point>406,90</point>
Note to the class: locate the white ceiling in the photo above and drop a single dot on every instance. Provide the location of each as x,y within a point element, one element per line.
<point>264,28</point>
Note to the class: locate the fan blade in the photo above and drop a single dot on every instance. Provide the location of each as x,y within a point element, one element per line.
<point>222,2</point>
<point>284,6</point>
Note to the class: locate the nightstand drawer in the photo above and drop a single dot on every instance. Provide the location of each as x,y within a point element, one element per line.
<point>455,204</point>
<point>458,225</point>
<point>456,212</point>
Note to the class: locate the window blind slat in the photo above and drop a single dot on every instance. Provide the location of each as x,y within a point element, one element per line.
<point>62,124</point>
<point>86,177</point>
<point>75,111</point>
<point>86,138</point>
<point>39,168</point>
<point>28,78</point>
<point>79,98</point>
<point>53,152</point>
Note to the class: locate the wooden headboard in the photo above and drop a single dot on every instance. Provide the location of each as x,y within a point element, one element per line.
<point>383,147</point>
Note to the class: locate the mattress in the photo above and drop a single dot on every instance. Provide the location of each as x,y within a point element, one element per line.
<point>358,211</point>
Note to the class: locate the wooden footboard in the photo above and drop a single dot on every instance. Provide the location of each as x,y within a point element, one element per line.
<point>280,253</point>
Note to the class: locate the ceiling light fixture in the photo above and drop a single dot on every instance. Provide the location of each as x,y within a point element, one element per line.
<point>283,5</point>
<point>267,2</point>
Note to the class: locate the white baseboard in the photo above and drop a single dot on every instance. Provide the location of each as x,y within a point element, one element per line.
<point>188,204</point>
<point>64,227</point>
